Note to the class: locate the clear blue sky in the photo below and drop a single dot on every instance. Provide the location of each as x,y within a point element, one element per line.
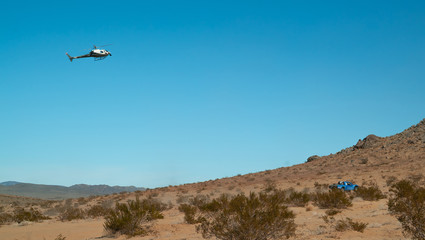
<point>198,90</point>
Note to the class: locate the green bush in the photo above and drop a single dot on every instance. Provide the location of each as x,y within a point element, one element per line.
<point>391,180</point>
<point>348,223</point>
<point>344,224</point>
<point>71,213</point>
<point>298,199</point>
<point>60,237</point>
<point>5,218</point>
<point>332,212</point>
<point>357,226</point>
<point>189,213</point>
<point>259,216</point>
<point>408,205</point>
<point>334,198</point>
<point>372,193</point>
<point>31,215</point>
<point>97,211</point>
<point>127,218</point>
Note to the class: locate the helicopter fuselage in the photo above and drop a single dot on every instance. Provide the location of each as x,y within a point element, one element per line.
<point>99,53</point>
<point>96,53</point>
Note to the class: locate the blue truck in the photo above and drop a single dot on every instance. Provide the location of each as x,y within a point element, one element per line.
<point>344,185</point>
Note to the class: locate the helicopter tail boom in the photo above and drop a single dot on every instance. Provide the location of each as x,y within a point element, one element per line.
<point>70,58</point>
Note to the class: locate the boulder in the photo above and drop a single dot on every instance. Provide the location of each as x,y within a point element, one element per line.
<point>312,158</point>
<point>367,142</point>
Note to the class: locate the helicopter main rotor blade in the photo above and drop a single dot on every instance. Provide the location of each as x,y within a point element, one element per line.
<point>96,47</point>
<point>105,45</point>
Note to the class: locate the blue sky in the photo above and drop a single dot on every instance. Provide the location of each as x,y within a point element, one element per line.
<point>198,90</point>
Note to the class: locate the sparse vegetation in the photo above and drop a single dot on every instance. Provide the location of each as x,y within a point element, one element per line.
<point>5,218</point>
<point>408,205</point>
<point>357,226</point>
<point>371,193</point>
<point>189,213</point>
<point>321,186</point>
<point>128,218</point>
<point>332,212</point>
<point>71,213</point>
<point>348,223</point>
<point>31,215</point>
<point>97,211</point>
<point>259,216</point>
<point>298,199</point>
<point>60,237</point>
<point>344,224</point>
<point>82,200</point>
<point>391,180</point>
<point>334,198</point>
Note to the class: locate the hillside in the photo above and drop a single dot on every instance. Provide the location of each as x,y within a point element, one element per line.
<point>54,192</point>
<point>372,160</point>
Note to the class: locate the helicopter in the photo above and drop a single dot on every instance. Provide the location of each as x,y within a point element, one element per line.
<point>96,53</point>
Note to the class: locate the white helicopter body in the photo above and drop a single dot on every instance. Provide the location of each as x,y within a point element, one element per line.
<point>96,53</point>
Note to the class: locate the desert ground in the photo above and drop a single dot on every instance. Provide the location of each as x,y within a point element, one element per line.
<point>373,160</point>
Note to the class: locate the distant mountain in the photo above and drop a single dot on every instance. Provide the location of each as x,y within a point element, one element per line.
<point>9,183</point>
<point>55,192</point>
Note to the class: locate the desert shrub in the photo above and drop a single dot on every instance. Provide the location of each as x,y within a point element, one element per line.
<point>127,218</point>
<point>182,198</point>
<point>334,198</point>
<point>344,224</point>
<point>259,216</point>
<point>321,186</point>
<point>189,213</point>
<point>47,204</point>
<point>60,237</point>
<point>371,193</point>
<point>332,212</point>
<point>199,200</point>
<point>107,203</point>
<point>416,177</point>
<point>407,203</point>
<point>68,202</point>
<point>391,180</point>
<point>270,186</point>
<point>298,199</point>
<point>82,200</point>
<point>31,215</point>
<point>154,205</point>
<point>71,213</point>
<point>5,218</point>
<point>155,194</point>
<point>349,224</point>
<point>97,211</point>
<point>357,226</point>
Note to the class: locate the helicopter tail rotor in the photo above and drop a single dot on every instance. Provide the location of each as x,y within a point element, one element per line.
<point>70,58</point>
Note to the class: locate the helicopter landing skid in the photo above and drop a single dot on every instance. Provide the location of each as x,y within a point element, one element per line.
<point>99,58</point>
